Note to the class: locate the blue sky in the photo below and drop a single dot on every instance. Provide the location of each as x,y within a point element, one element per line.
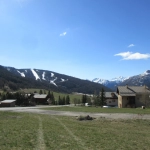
<point>80,38</point>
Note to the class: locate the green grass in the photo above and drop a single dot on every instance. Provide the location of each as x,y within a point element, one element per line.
<point>17,131</point>
<point>20,131</point>
<point>100,110</point>
<point>72,96</point>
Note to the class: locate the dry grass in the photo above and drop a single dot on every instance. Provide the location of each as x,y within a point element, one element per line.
<point>20,131</point>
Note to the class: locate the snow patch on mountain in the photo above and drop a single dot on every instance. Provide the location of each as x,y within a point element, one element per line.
<point>21,73</point>
<point>35,74</point>
<point>63,80</point>
<point>105,82</point>
<point>43,76</point>
<point>101,81</point>
<point>52,74</point>
<point>146,73</point>
<point>53,81</point>
<point>119,79</point>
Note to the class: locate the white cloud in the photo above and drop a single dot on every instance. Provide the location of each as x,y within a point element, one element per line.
<point>63,34</point>
<point>131,45</point>
<point>132,56</point>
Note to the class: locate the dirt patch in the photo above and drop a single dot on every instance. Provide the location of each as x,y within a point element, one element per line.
<point>81,118</point>
<point>40,139</point>
<point>67,113</point>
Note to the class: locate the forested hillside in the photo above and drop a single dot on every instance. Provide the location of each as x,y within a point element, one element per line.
<point>36,78</point>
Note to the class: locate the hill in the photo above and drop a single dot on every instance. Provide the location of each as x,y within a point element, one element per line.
<point>37,78</point>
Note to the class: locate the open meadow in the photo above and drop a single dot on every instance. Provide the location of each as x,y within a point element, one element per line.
<point>100,110</point>
<point>25,131</point>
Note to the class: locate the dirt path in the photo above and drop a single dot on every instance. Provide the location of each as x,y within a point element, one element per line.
<point>77,139</point>
<point>36,110</point>
<point>40,137</point>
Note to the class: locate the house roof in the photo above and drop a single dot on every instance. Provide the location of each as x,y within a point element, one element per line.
<point>40,95</point>
<point>132,90</point>
<point>8,101</point>
<point>111,95</point>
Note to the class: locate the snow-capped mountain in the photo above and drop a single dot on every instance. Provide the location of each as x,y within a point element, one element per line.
<point>53,80</point>
<point>137,80</point>
<point>101,81</point>
<point>104,81</point>
<point>113,83</point>
<point>119,79</point>
<point>71,84</point>
<point>38,75</point>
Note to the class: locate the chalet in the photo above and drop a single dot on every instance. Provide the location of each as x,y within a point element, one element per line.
<point>41,98</point>
<point>111,98</point>
<point>133,96</point>
<point>8,103</point>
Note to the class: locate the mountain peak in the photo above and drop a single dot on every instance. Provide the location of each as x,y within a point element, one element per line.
<point>147,72</point>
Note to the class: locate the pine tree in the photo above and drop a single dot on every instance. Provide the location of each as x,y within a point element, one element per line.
<point>67,99</point>
<point>59,101</point>
<point>84,99</point>
<point>63,101</point>
<point>3,96</point>
<point>102,97</point>
<point>49,94</point>
<point>52,98</point>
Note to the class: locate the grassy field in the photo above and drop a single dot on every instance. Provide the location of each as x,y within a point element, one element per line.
<point>20,131</point>
<point>100,110</point>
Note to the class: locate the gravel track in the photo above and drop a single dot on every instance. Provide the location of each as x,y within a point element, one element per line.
<point>37,110</point>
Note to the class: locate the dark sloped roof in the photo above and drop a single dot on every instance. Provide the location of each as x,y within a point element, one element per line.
<point>132,90</point>
<point>111,95</point>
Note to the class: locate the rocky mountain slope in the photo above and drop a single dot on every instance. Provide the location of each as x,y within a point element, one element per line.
<point>52,80</point>
<point>137,80</point>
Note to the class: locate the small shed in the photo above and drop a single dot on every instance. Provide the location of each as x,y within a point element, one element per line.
<point>8,103</point>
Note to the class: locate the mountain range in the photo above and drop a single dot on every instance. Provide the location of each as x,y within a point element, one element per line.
<point>37,78</point>
<point>136,80</point>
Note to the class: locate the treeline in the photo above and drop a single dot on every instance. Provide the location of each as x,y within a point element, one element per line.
<point>63,100</point>
<point>21,98</point>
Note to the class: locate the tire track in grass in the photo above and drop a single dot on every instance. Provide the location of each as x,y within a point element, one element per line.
<point>78,140</point>
<point>40,138</point>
